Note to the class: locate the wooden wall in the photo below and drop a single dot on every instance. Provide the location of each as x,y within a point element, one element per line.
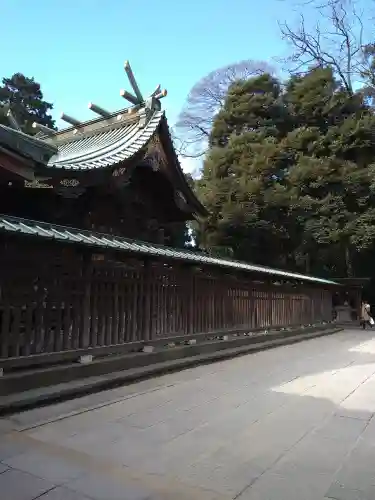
<point>56,297</point>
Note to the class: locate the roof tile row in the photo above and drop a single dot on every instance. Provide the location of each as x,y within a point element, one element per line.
<point>73,235</point>
<point>107,148</point>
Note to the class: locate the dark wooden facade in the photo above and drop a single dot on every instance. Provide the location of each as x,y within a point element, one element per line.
<point>135,198</point>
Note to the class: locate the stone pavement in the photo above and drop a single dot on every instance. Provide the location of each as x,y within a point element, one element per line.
<point>291,423</point>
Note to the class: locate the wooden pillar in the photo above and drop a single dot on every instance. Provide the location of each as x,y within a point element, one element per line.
<point>358,300</point>
<point>86,303</point>
<point>192,309</point>
<point>147,301</point>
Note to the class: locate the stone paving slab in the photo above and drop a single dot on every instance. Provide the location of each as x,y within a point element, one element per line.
<point>339,492</point>
<point>45,466</point>
<point>301,486</point>
<point>62,493</point>
<point>18,485</point>
<point>293,423</point>
<point>10,448</point>
<point>98,488</point>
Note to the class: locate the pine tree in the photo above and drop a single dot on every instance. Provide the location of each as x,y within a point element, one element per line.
<point>23,96</point>
<point>243,177</point>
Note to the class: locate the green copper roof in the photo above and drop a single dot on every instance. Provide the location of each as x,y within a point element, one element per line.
<point>105,148</point>
<point>99,240</point>
<point>26,145</point>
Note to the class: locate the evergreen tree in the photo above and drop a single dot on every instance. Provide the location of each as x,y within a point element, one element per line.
<point>289,178</point>
<point>243,177</point>
<point>330,179</point>
<point>23,96</point>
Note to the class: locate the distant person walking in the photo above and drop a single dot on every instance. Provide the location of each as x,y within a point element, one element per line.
<point>366,318</point>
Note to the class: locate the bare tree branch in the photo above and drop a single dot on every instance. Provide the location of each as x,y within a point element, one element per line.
<point>336,40</point>
<point>205,99</point>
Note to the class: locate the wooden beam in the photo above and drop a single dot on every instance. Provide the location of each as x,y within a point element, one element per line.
<point>99,111</point>
<point>129,97</point>
<point>16,165</point>
<point>47,130</point>
<point>70,120</point>
<point>132,81</point>
<point>161,94</point>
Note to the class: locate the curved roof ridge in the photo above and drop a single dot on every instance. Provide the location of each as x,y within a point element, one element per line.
<point>105,148</point>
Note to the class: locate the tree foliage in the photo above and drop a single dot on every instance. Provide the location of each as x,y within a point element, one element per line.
<point>289,178</point>
<point>205,99</point>
<point>24,98</point>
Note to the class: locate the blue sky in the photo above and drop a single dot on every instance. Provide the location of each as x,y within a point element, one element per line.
<point>76,48</point>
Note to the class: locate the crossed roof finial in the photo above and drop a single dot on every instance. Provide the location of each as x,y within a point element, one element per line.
<point>136,99</point>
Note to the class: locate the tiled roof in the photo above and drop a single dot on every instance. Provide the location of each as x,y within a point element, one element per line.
<point>100,240</point>
<point>105,148</point>
<point>26,145</point>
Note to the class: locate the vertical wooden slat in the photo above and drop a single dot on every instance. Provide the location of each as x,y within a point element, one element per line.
<point>192,328</point>
<point>122,305</point>
<point>77,311</point>
<point>172,304</point>
<point>28,319</point>
<point>134,305</point>
<point>94,304</point>
<point>162,302</point>
<point>48,323</point>
<point>58,317</point>
<point>147,296</point>
<point>108,306</point>
<point>101,308</point>
<point>116,308</point>
<point>15,333</point>
<point>165,302</point>
<point>86,303</point>
<point>140,305</point>
<point>39,319</point>
<point>5,329</point>
<point>67,322</point>
<point>157,304</point>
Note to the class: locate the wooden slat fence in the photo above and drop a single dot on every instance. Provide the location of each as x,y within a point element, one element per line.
<point>55,298</point>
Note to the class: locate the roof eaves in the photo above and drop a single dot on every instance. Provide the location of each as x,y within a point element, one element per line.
<point>109,155</point>
<point>26,145</point>
<point>199,209</point>
<point>75,235</point>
